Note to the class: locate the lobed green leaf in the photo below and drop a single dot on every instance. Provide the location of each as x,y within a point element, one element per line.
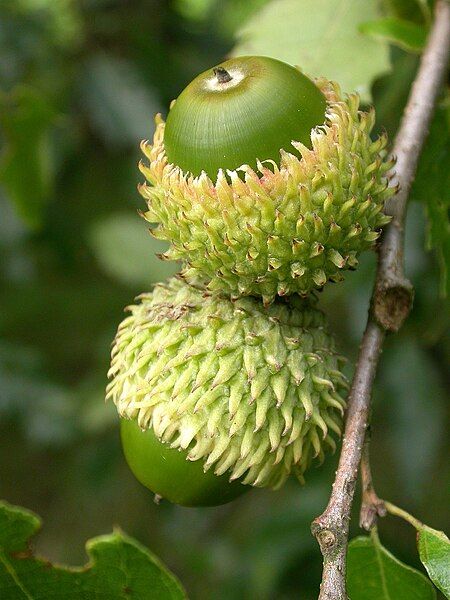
<point>321,37</point>
<point>119,568</point>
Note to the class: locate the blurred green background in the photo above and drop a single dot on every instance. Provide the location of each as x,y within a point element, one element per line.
<point>79,85</point>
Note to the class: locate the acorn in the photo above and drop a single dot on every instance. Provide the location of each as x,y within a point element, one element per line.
<point>244,109</point>
<point>168,472</point>
<point>238,393</point>
<point>264,182</point>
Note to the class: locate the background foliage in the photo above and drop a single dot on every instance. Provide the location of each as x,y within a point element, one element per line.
<point>79,84</point>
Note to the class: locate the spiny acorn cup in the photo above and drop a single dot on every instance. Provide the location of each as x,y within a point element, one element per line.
<point>264,182</point>
<point>253,393</point>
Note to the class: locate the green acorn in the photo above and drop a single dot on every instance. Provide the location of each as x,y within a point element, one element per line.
<point>264,182</point>
<point>250,393</point>
<point>169,474</point>
<point>245,109</point>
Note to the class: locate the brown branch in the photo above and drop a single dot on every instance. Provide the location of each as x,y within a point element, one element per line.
<point>391,302</point>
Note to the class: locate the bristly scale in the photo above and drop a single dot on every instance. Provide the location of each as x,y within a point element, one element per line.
<point>253,393</point>
<point>285,228</point>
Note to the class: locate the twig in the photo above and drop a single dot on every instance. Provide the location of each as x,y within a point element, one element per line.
<point>371,506</point>
<point>391,302</point>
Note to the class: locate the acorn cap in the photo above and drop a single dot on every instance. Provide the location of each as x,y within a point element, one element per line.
<point>283,228</point>
<point>245,109</point>
<point>251,392</point>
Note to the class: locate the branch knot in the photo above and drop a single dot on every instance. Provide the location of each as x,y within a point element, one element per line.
<point>330,537</point>
<point>327,540</point>
<point>392,302</point>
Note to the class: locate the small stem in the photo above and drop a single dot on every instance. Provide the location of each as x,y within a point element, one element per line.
<point>371,506</point>
<point>222,75</point>
<point>399,512</point>
<point>374,535</point>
